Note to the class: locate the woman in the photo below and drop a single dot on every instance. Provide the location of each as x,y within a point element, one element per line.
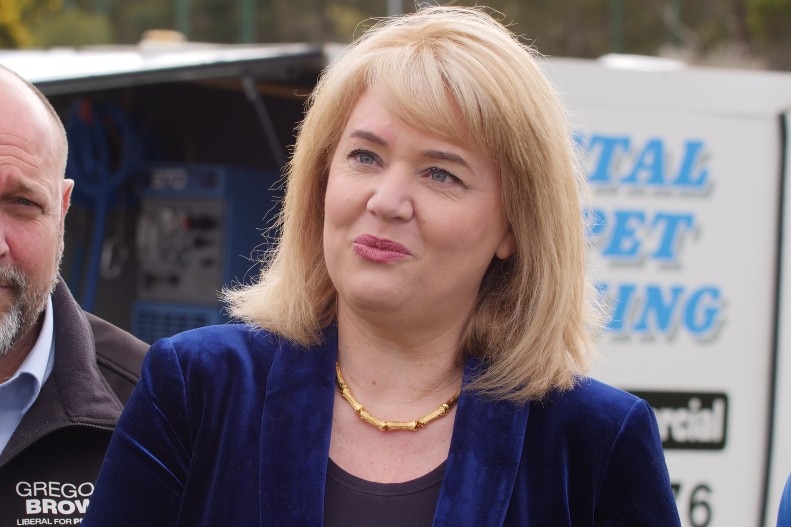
<point>414,351</point>
<point>784,511</point>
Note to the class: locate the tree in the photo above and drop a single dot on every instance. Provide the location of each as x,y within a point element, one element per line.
<point>71,27</point>
<point>744,33</point>
<point>18,16</point>
<point>769,21</point>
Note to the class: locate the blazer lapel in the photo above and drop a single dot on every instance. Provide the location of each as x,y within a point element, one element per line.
<point>484,456</point>
<point>295,434</point>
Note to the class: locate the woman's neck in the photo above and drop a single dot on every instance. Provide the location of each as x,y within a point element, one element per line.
<point>397,374</point>
<point>402,366</point>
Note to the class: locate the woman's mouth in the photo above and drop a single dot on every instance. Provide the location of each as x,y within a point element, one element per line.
<point>378,249</point>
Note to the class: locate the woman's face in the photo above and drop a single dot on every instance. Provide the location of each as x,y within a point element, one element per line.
<point>411,221</point>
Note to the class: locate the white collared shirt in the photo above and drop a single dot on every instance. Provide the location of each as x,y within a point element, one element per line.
<point>18,393</point>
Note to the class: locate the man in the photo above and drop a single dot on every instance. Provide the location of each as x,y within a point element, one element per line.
<point>64,374</point>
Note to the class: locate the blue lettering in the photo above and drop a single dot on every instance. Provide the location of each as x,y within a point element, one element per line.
<point>651,161</point>
<point>653,309</point>
<point>658,308</point>
<point>611,147</point>
<point>628,235</point>
<point>625,242</point>
<point>622,301</point>
<point>670,240</point>
<point>693,152</point>
<point>647,166</point>
<point>701,315</point>
<point>596,220</point>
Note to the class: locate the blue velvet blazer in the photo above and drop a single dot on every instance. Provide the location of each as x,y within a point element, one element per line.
<point>230,426</point>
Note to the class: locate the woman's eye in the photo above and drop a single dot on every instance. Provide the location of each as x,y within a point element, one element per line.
<point>364,157</point>
<point>442,176</point>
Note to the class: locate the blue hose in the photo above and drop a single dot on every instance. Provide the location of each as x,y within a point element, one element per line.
<point>88,126</point>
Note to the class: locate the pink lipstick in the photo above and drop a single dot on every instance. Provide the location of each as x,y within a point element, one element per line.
<point>378,249</point>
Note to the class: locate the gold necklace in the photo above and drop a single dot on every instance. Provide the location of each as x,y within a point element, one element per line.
<point>390,425</point>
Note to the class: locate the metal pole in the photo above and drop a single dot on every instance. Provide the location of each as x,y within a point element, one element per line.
<point>616,26</point>
<point>254,97</point>
<point>395,7</point>
<point>247,21</point>
<point>183,17</point>
<point>675,25</point>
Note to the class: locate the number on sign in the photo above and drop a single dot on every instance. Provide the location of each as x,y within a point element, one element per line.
<point>699,510</point>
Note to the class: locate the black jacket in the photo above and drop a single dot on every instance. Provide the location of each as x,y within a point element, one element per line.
<point>48,467</point>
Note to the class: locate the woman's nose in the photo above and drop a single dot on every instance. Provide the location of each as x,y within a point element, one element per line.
<point>392,195</point>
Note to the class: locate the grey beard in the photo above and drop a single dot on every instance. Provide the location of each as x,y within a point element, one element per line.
<point>24,312</point>
<point>10,328</point>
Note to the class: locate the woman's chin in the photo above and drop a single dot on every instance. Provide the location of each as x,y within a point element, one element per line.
<point>377,302</point>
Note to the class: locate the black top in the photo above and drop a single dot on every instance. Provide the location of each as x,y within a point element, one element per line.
<point>353,502</point>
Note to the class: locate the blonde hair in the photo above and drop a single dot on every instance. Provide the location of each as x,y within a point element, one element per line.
<point>533,318</point>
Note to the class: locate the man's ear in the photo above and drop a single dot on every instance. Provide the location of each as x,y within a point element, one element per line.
<point>65,201</point>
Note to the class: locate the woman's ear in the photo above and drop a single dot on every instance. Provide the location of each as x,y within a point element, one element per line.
<point>507,245</point>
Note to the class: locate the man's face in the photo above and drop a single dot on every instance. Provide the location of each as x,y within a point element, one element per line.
<point>34,199</point>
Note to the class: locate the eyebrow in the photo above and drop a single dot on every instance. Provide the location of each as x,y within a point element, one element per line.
<point>430,154</point>
<point>368,136</point>
<point>19,186</point>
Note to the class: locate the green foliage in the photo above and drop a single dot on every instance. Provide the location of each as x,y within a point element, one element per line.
<point>574,28</point>
<point>17,17</point>
<point>72,27</point>
<point>769,18</point>
<point>770,22</point>
<point>345,21</point>
<point>131,19</point>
